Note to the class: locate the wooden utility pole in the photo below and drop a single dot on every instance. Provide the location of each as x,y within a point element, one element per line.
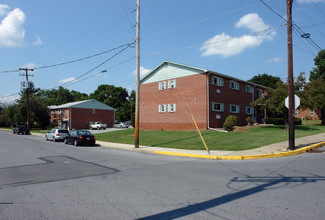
<point>137,95</point>
<point>290,77</point>
<point>27,93</point>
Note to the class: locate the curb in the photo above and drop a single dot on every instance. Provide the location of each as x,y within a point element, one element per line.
<point>246,157</point>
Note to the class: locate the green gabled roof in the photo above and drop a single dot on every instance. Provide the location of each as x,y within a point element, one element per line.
<point>88,104</point>
<point>170,70</point>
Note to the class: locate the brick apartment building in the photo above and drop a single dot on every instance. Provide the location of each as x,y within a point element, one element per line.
<point>80,115</point>
<point>306,114</point>
<point>172,92</point>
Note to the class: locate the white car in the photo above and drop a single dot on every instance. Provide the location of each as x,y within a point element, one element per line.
<point>120,125</point>
<point>56,134</point>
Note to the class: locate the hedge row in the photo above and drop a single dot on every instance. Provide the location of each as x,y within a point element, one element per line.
<point>281,121</point>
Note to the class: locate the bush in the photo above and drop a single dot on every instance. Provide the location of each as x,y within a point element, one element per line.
<point>249,121</point>
<point>275,121</point>
<point>230,122</point>
<point>281,121</point>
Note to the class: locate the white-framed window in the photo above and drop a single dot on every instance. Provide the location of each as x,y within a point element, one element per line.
<point>234,85</point>
<point>162,108</point>
<point>234,108</point>
<point>249,110</point>
<point>217,81</point>
<point>218,107</point>
<point>162,85</point>
<point>296,112</point>
<point>259,93</point>
<point>249,89</point>
<point>171,107</point>
<point>218,117</point>
<point>218,91</point>
<point>312,112</point>
<point>172,84</point>
<point>93,111</point>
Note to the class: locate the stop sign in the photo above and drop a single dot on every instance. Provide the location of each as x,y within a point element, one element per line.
<point>296,102</point>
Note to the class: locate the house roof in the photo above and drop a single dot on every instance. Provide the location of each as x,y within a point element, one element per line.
<point>170,70</point>
<point>87,104</point>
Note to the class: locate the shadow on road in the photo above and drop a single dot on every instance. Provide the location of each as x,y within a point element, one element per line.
<point>266,182</point>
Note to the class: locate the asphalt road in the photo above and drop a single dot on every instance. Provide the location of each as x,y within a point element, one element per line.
<point>46,180</point>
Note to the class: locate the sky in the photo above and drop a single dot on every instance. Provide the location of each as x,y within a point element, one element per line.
<point>71,43</point>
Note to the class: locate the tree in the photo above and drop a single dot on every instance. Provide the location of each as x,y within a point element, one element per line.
<point>319,70</point>
<point>78,96</point>
<point>265,80</point>
<point>315,97</point>
<point>56,97</point>
<point>115,97</point>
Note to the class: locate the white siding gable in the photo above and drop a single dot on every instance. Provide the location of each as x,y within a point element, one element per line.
<point>168,70</point>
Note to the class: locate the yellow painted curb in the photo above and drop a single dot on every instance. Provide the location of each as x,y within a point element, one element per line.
<point>245,157</point>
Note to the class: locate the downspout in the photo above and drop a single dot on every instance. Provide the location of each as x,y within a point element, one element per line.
<point>70,119</point>
<point>208,99</point>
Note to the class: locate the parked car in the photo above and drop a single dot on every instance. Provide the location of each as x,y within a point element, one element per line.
<point>80,137</point>
<point>98,125</point>
<point>21,129</point>
<point>56,134</point>
<point>120,125</point>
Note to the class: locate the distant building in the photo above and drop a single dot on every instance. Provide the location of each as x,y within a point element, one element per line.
<point>80,115</point>
<point>172,92</point>
<point>306,114</point>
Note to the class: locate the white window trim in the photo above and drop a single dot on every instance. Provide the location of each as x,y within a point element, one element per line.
<point>312,113</point>
<point>171,107</point>
<point>172,84</point>
<point>162,85</point>
<point>259,91</point>
<point>236,85</point>
<point>220,81</point>
<point>162,108</point>
<point>249,89</point>
<point>250,110</point>
<point>217,103</point>
<point>237,108</point>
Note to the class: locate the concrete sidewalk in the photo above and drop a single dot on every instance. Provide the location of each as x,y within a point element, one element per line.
<point>303,145</point>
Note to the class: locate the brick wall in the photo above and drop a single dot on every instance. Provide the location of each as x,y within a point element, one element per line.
<point>189,95</point>
<point>81,118</point>
<point>306,114</point>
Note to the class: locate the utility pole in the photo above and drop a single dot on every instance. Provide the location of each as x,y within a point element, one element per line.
<point>290,77</point>
<point>137,95</point>
<point>27,92</point>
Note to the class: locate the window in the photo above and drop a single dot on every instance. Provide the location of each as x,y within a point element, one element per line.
<point>249,89</point>
<point>218,107</point>
<point>249,110</point>
<point>312,112</point>
<point>162,108</point>
<point>233,85</point>
<point>296,112</point>
<point>234,108</point>
<point>162,85</point>
<point>259,93</point>
<point>171,107</point>
<point>218,91</point>
<point>217,81</point>
<point>218,117</point>
<point>93,111</point>
<point>172,84</point>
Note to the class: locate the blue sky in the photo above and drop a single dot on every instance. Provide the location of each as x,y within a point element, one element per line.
<point>236,38</point>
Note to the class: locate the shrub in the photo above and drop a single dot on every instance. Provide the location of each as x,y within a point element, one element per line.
<point>249,121</point>
<point>275,121</point>
<point>298,121</point>
<point>230,122</point>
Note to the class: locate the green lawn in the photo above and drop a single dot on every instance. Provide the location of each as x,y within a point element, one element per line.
<point>251,138</point>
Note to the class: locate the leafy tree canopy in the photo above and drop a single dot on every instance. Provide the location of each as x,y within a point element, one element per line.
<point>319,70</point>
<point>266,80</point>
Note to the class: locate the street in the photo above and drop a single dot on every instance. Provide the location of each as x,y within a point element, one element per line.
<point>45,180</point>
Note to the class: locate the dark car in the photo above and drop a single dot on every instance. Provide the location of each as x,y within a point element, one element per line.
<point>80,137</point>
<point>20,129</point>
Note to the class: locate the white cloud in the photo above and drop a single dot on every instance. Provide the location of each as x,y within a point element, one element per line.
<point>30,65</point>
<point>38,41</point>
<point>143,71</point>
<point>6,100</point>
<point>274,60</point>
<point>226,45</point>
<point>12,32</point>
<point>3,9</point>
<point>70,79</point>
